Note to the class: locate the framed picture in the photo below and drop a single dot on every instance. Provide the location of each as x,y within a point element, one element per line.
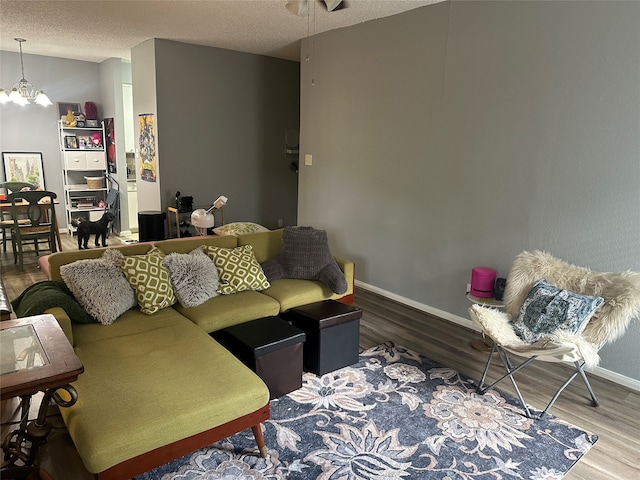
<point>64,107</point>
<point>84,141</point>
<point>70,141</point>
<point>92,123</point>
<point>24,167</point>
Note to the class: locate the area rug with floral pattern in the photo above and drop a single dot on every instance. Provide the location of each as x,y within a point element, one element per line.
<point>394,415</point>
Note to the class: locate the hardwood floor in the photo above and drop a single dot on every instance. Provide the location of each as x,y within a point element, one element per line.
<point>616,421</point>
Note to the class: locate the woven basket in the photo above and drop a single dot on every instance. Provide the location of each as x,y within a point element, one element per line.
<point>94,182</point>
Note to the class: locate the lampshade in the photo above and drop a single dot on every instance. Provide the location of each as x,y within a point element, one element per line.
<point>15,97</point>
<point>42,99</point>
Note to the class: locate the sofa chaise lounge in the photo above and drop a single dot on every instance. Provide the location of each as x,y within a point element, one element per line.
<point>156,387</point>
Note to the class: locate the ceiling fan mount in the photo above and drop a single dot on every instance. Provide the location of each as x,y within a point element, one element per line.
<point>301,7</point>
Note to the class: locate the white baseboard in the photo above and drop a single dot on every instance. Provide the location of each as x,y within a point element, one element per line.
<point>615,377</point>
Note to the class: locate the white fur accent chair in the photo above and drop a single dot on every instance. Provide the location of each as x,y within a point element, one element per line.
<point>621,294</point>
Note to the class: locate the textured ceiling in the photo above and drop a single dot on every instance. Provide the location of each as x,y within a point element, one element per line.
<point>94,30</point>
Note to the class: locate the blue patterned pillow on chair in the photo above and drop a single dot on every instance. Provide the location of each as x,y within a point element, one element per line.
<point>548,308</point>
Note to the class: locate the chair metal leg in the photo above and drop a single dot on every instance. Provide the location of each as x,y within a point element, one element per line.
<point>594,399</point>
<point>481,390</point>
<point>510,369</point>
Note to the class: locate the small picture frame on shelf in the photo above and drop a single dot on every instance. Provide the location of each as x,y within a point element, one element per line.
<point>64,107</point>
<point>70,141</point>
<point>80,123</point>
<point>91,123</point>
<point>84,141</point>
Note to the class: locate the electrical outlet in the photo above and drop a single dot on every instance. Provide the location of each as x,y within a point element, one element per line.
<point>279,222</point>
<point>308,159</point>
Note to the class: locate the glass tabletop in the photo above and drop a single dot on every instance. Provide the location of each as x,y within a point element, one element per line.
<point>20,349</point>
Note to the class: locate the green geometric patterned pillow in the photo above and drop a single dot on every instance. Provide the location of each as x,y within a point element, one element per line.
<point>238,269</point>
<point>150,279</point>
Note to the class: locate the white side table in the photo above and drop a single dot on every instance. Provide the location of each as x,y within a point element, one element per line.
<point>483,344</point>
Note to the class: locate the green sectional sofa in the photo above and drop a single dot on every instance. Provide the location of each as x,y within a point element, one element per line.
<point>158,386</point>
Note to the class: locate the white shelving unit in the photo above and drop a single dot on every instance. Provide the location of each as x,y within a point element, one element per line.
<point>81,160</point>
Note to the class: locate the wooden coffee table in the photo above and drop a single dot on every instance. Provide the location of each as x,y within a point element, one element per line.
<point>35,356</point>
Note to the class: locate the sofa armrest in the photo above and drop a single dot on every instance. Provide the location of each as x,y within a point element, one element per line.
<point>64,321</point>
<point>348,268</point>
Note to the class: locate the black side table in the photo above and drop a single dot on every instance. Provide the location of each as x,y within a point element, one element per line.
<point>270,347</point>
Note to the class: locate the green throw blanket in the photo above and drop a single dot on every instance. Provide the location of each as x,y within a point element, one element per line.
<point>41,296</point>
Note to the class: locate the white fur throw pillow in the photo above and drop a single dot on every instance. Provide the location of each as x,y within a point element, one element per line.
<point>100,286</point>
<point>193,275</point>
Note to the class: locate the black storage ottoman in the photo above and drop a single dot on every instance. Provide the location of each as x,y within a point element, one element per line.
<point>270,347</point>
<point>333,333</point>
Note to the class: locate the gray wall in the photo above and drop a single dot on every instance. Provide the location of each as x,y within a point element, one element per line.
<point>221,120</point>
<point>33,128</point>
<point>459,134</point>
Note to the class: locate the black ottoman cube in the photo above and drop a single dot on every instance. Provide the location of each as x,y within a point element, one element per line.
<point>333,333</point>
<point>270,347</point>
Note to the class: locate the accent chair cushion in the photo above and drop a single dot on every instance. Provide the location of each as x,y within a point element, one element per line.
<point>305,255</point>
<point>547,309</point>
<point>99,286</point>
<point>193,275</point>
<point>150,279</point>
<point>238,269</point>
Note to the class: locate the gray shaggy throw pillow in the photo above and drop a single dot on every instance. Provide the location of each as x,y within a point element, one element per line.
<point>99,285</point>
<point>193,275</point>
<point>305,255</point>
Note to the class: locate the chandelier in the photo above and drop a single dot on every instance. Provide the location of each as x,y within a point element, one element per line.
<point>23,91</point>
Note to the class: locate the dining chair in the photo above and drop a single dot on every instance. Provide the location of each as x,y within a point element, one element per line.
<point>6,222</point>
<point>38,207</point>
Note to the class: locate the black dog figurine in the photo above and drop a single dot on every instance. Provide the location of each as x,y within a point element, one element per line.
<point>86,228</point>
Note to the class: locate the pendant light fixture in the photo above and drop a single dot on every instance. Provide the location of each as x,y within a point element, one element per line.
<point>23,91</point>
